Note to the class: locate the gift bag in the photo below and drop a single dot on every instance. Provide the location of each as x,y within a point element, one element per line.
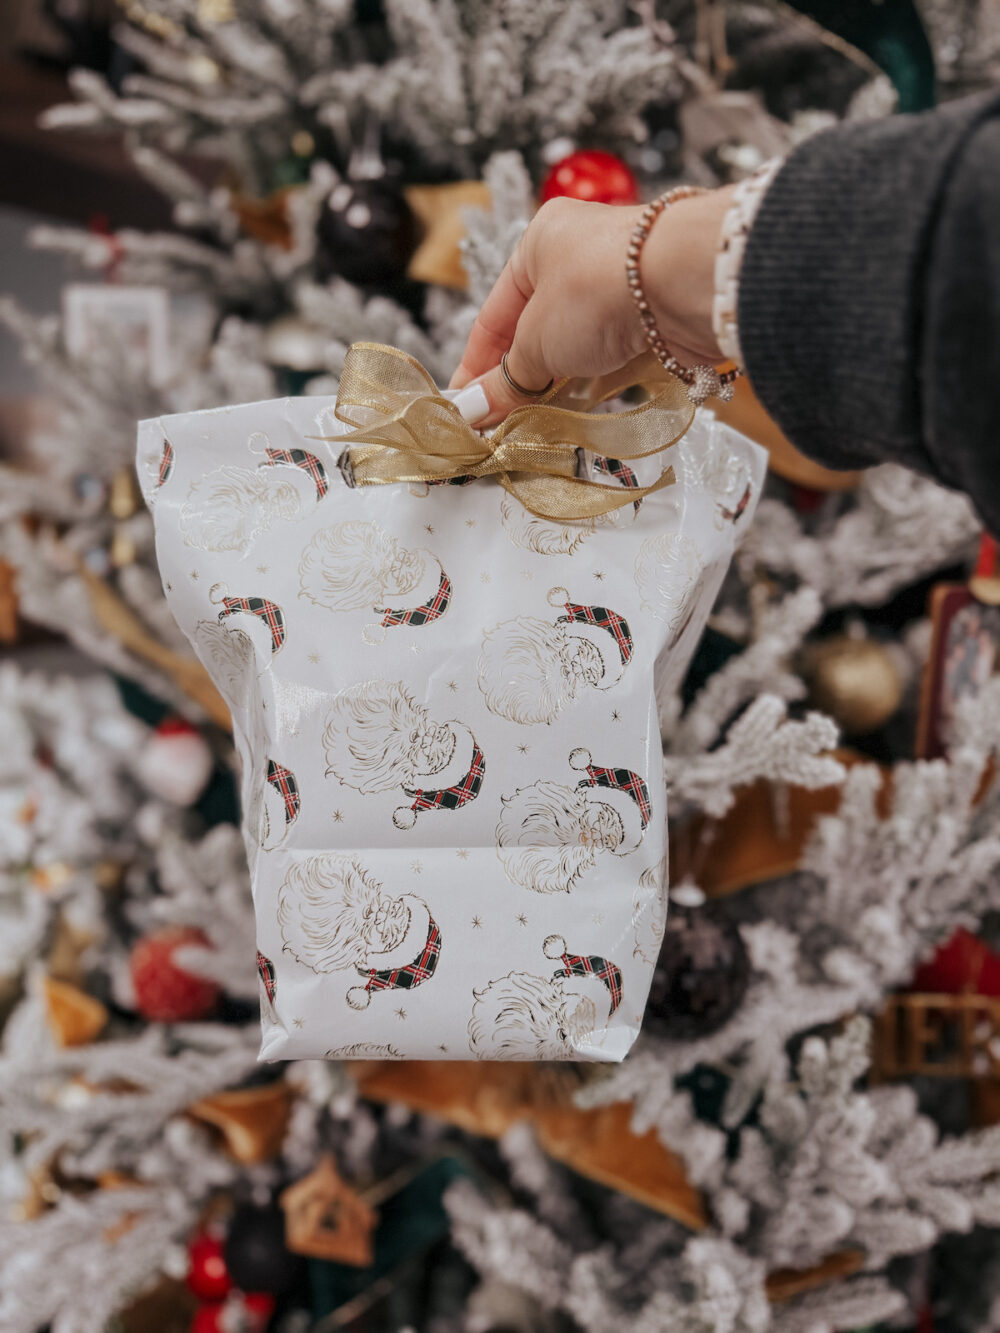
<point>444,701</point>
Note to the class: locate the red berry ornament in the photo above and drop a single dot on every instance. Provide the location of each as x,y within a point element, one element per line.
<point>962,965</point>
<point>208,1277</point>
<point>164,992</point>
<point>176,762</point>
<point>243,1312</point>
<point>597,177</point>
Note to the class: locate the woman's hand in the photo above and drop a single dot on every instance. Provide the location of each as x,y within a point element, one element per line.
<point>562,307</point>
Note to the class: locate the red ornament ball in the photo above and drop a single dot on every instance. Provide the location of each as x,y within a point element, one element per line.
<point>208,1277</point>
<point>963,964</point>
<point>164,992</point>
<point>176,762</point>
<point>593,175</point>
<point>247,1311</point>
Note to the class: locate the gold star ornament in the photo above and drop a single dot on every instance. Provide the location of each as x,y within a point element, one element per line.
<point>439,210</point>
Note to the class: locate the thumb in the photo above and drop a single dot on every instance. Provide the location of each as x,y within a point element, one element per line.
<point>486,401</point>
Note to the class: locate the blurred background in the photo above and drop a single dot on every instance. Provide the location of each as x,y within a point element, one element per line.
<point>205,202</point>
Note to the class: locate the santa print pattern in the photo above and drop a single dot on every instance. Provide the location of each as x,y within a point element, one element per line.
<point>452,798</point>
<point>166,463</point>
<point>606,619</point>
<point>258,606</point>
<point>733,515</point>
<point>624,780</point>
<point>283,780</point>
<point>591,965</point>
<point>420,615</point>
<point>405,978</point>
<point>301,459</point>
<point>614,467</point>
<point>266,969</point>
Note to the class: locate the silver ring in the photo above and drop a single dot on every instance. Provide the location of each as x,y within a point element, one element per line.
<point>519,388</point>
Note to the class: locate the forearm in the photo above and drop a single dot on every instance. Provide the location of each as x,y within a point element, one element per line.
<point>869,297</point>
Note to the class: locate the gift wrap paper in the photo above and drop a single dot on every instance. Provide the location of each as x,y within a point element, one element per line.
<point>445,712</point>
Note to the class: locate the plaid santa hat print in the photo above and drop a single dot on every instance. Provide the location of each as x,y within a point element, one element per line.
<point>586,965</point>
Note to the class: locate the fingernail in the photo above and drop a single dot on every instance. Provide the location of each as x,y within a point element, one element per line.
<point>472,403</point>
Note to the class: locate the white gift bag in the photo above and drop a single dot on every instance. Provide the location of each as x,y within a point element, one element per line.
<point>444,707</point>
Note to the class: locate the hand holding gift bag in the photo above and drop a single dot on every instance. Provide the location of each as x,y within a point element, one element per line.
<point>443,695</point>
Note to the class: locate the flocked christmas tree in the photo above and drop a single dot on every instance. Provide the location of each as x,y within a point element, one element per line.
<point>746,1168</point>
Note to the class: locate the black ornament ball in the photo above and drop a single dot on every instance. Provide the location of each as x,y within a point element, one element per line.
<point>701,975</point>
<point>366,232</point>
<point>256,1255</point>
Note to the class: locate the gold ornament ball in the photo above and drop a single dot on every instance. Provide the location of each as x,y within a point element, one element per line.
<point>854,680</point>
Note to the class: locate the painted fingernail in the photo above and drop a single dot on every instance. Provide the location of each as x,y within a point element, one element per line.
<point>472,403</point>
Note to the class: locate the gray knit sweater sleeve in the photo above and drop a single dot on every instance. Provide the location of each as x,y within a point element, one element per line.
<point>869,300</point>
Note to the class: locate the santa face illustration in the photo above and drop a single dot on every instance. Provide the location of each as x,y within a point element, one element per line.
<point>356,565</point>
<point>377,738</point>
<point>335,915</point>
<point>542,535</point>
<point>365,1050</point>
<point>226,510</point>
<point>721,470</point>
<point>666,569</point>
<point>231,660</point>
<point>649,913</point>
<point>530,669</point>
<point>522,1016</point>
<point>550,834</point>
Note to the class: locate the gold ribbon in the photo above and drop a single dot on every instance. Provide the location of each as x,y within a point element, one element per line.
<point>404,430</point>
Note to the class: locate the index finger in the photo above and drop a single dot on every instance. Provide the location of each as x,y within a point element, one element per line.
<point>493,331</point>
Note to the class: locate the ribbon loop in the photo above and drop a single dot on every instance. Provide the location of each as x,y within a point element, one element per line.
<point>403,429</point>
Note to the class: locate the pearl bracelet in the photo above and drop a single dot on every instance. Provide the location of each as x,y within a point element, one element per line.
<point>702,381</point>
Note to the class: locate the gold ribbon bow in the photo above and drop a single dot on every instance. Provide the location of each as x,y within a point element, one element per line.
<point>404,430</point>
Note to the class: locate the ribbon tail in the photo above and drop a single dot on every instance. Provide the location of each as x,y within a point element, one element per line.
<point>574,499</point>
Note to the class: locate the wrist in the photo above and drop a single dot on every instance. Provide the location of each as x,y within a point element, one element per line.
<point>678,273</point>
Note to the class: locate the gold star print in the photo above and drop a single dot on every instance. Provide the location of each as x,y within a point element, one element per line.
<point>429,528</point>
<point>599,576</point>
<point>416,867</point>
<point>401,1012</point>
<point>598,918</point>
<point>338,818</point>
<point>476,923</point>
<point>462,853</point>
<point>194,575</point>
<point>262,569</point>
<point>470,522</point>
<point>527,574</point>
<point>522,918</point>
<point>453,685</point>
<point>298,1022</point>
<point>484,578</point>
<point>314,658</point>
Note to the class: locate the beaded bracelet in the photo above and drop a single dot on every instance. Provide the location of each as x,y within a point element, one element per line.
<point>702,381</point>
